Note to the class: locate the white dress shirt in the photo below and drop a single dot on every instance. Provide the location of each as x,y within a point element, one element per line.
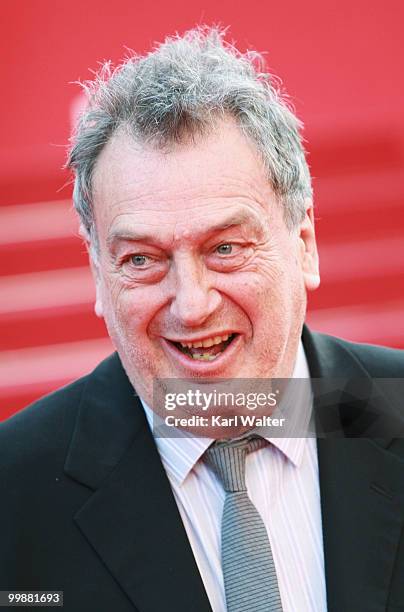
<point>283,484</point>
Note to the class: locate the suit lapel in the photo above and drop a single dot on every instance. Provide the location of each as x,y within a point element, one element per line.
<point>131,520</point>
<point>361,486</point>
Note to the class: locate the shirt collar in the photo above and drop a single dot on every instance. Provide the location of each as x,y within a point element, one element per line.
<point>180,454</point>
<point>293,446</point>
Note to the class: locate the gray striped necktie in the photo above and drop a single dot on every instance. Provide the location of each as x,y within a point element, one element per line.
<point>248,568</point>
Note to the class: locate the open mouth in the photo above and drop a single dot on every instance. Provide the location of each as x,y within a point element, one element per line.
<point>205,350</point>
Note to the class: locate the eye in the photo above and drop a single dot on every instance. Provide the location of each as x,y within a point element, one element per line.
<point>138,268</point>
<point>138,260</point>
<point>229,256</point>
<point>224,249</point>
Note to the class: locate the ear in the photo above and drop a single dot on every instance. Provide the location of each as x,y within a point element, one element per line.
<point>92,256</point>
<point>308,249</point>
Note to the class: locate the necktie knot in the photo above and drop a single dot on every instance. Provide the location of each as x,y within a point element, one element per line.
<point>227,458</point>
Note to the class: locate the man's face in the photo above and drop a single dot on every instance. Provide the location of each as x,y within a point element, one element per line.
<point>197,274</point>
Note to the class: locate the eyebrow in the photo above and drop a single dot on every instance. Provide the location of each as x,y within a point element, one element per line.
<point>235,220</point>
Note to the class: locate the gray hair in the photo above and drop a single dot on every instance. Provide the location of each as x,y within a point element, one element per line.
<point>180,90</point>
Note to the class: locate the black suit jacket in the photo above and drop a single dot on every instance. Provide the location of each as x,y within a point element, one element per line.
<point>86,507</point>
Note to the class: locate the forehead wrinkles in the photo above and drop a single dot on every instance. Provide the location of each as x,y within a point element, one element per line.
<point>180,185</point>
<point>226,163</point>
<point>181,233</point>
<point>185,214</point>
<point>153,194</point>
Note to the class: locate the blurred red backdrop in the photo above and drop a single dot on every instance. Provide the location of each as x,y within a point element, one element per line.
<point>342,66</point>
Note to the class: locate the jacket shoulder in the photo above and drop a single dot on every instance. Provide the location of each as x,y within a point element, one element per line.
<point>46,426</point>
<point>345,356</point>
<point>379,361</point>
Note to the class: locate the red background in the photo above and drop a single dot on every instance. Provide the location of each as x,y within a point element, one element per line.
<point>341,63</point>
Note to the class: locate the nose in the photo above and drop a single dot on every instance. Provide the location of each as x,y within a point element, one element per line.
<point>194,300</point>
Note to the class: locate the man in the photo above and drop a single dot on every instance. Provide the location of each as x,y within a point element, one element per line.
<point>195,201</point>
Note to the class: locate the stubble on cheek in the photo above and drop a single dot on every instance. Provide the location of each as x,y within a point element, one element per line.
<point>135,349</point>
<point>283,302</point>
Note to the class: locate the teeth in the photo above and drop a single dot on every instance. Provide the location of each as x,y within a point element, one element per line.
<point>203,357</point>
<point>206,343</point>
